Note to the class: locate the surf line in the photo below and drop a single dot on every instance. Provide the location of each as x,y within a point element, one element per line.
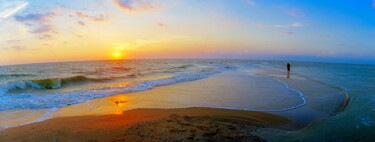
<point>348,98</point>
<point>45,117</point>
<point>287,87</point>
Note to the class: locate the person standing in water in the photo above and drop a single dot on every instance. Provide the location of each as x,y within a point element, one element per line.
<point>288,68</point>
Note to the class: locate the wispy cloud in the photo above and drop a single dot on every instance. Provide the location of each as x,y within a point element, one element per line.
<point>250,2</point>
<point>296,13</point>
<point>162,25</point>
<point>81,15</point>
<point>288,33</point>
<point>40,23</point>
<point>44,29</point>
<point>45,36</point>
<point>35,17</point>
<point>295,24</point>
<point>136,5</point>
<point>96,18</point>
<point>81,23</point>
<point>8,8</point>
<point>280,26</point>
<point>20,48</point>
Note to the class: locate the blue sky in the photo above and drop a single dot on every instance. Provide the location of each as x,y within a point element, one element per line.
<point>315,30</point>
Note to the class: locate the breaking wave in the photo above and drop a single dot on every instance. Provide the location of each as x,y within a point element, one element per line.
<point>30,101</point>
<point>54,83</point>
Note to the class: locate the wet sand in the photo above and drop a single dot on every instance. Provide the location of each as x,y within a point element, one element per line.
<point>194,124</point>
<point>322,100</point>
<point>234,90</point>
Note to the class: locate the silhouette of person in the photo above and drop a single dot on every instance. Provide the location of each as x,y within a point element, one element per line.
<point>288,68</point>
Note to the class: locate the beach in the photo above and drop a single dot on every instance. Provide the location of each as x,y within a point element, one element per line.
<point>234,105</point>
<point>193,124</point>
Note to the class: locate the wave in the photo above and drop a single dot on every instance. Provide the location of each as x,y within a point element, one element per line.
<point>121,68</point>
<point>30,101</point>
<point>183,66</point>
<point>45,83</point>
<point>54,83</point>
<point>15,75</point>
<point>116,69</point>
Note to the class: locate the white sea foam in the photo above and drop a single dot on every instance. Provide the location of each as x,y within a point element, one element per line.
<point>31,101</point>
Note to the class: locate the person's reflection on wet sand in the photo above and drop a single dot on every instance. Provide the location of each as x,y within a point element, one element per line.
<point>288,69</point>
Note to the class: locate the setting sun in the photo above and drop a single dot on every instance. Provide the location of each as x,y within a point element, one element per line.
<point>116,55</point>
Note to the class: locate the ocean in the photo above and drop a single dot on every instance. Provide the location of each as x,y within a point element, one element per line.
<point>356,122</point>
<point>47,87</point>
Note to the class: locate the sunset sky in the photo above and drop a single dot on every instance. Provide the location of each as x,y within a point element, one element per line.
<point>315,30</point>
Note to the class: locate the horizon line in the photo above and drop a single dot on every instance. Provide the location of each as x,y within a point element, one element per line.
<point>64,61</point>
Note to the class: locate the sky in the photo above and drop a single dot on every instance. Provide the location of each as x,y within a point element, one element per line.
<point>34,31</point>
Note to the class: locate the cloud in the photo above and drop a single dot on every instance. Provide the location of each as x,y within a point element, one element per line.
<point>8,8</point>
<point>250,2</point>
<point>288,33</point>
<point>44,29</point>
<point>81,15</point>
<point>45,36</point>
<point>320,35</point>
<point>35,17</point>
<point>39,23</point>
<point>97,18</point>
<point>100,18</point>
<point>162,25</point>
<point>136,5</point>
<point>261,25</point>
<point>15,48</point>
<point>20,48</point>
<point>280,26</point>
<point>297,24</point>
<point>81,23</point>
<point>296,13</point>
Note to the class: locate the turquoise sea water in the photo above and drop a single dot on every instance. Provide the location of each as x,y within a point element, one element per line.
<point>56,85</point>
<point>356,122</point>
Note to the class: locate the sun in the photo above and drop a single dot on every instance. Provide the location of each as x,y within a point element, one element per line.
<point>116,55</point>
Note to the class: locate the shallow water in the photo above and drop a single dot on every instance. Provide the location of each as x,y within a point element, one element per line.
<point>356,122</point>
<point>230,90</point>
<point>49,88</point>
